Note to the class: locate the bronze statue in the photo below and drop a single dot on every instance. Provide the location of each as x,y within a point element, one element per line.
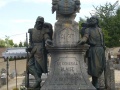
<point>65,8</point>
<point>96,55</point>
<point>40,35</point>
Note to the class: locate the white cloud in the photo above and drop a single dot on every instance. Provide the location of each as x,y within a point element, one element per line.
<point>19,38</point>
<point>17,34</point>
<point>5,2</point>
<point>37,1</point>
<point>90,2</point>
<point>97,2</point>
<point>22,21</point>
<point>85,12</point>
<point>2,3</point>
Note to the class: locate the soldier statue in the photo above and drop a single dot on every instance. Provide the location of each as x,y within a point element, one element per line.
<point>39,37</point>
<point>96,55</point>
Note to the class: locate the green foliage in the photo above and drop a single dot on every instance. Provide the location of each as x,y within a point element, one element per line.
<point>15,45</point>
<point>15,89</point>
<point>20,44</point>
<point>24,44</point>
<point>109,20</point>
<point>80,27</point>
<point>2,43</point>
<point>106,36</point>
<point>11,59</point>
<point>80,22</point>
<point>8,42</point>
<point>109,16</point>
<point>11,42</point>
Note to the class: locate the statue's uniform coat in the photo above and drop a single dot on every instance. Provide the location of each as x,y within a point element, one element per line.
<point>36,54</point>
<point>96,53</point>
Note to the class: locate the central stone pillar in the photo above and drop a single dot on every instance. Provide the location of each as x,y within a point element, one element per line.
<point>67,70</point>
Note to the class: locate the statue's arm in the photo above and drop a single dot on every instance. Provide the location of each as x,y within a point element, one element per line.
<point>85,37</point>
<point>47,38</point>
<point>30,40</point>
<point>46,34</point>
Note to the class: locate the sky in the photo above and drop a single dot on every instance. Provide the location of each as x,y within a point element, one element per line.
<point>17,16</point>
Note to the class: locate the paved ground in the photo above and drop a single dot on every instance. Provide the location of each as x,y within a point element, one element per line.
<point>21,65</point>
<point>12,83</point>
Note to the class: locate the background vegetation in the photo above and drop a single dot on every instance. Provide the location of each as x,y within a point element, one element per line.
<point>109,19</point>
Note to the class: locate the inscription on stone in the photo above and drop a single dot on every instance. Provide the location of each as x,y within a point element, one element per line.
<point>67,72</point>
<point>67,37</point>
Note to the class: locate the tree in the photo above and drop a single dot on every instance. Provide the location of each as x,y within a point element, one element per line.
<point>24,44</point>
<point>20,44</point>
<point>80,27</point>
<point>109,15</point>
<point>11,42</point>
<point>8,42</point>
<point>81,21</point>
<point>15,45</point>
<point>2,43</point>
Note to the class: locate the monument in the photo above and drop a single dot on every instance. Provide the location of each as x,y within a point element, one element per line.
<point>37,61</point>
<point>67,70</point>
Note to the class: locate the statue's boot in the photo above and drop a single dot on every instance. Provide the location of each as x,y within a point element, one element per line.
<point>95,82</point>
<point>37,78</point>
<point>37,83</point>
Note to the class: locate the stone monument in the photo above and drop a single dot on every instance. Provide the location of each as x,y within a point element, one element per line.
<point>67,70</point>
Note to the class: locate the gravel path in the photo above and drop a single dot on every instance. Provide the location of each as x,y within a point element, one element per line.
<point>12,83</point>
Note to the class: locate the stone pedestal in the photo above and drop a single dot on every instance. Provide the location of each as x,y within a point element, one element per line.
<point>68,70</point>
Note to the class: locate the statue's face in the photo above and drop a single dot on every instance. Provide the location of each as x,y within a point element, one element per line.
<point>92,21</point>
<point>39,25</point>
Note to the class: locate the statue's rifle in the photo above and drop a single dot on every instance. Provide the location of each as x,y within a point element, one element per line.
<point>44,51</point>
<point>27,71</point>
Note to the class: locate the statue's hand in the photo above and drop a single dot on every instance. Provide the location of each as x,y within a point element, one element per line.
<point>49,43</point>
<point>29,49</point>
<point>80,42</point>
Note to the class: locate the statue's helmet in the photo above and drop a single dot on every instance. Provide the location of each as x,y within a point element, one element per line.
<point>40,19</point>
<point>93,20</point>
<point>39,22</point>
<point>95,17</point>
